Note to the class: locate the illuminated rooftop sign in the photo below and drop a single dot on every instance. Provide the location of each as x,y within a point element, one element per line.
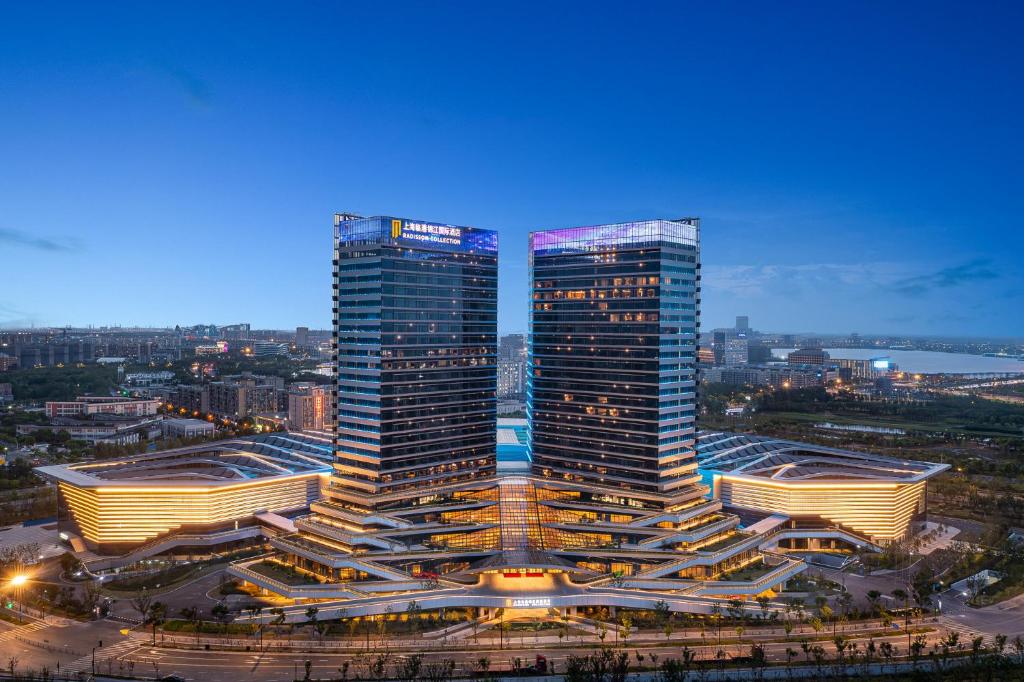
<point>388,230</point>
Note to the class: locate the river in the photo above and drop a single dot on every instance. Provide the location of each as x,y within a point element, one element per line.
<point>925,361</point>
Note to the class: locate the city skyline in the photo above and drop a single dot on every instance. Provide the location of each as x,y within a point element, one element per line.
<point>852,172</point>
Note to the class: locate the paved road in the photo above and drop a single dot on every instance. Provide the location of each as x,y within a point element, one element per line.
<point>193,593</point>
<point>71,646</point>
<point>218,666</point>
<point>860,585</point>
<point>1006,618</point>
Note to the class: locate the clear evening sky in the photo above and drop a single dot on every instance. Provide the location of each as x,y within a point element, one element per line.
<point>858,166</point>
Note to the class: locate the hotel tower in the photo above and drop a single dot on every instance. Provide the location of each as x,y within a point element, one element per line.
<point>611,499</point>
<point>612,393</point>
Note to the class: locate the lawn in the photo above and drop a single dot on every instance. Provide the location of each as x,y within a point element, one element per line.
<point>723,543</point>
<point>167,576</point>
<point>283,574</point>
<point>748,573</point>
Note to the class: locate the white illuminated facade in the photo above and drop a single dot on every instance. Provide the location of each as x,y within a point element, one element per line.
<point>877,497</point>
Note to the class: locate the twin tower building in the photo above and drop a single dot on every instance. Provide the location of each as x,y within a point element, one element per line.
<point>613,488</point>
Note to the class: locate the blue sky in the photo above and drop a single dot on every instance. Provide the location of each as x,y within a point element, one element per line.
<point>858,166</point>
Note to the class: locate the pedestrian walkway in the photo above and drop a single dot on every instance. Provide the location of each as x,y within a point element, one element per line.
<point>110,653</point>
<point>966,633</point>
<point>22,630</point>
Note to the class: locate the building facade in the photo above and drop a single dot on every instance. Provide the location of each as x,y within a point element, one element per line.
<point>808,356</point>
<point>95,405</point>
<point>512,360</point>
<point>309,407</point>
<point>878,498</point>
<point>607,488</point>
<point>415,328</point>
<point>612,395</point>
<point>114,506</point>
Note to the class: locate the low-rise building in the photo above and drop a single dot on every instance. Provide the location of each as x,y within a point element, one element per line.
<point>187,428</point>
<point>808,356</point>
<point>115,506</point>
<point>879,498</point>
<point>142,379</point>
<point>262,349</point>
<point>95,405</point>
<point>101,428</point>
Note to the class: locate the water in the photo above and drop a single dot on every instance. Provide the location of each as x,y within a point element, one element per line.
<point>925,361</point>
<point>860,427</point>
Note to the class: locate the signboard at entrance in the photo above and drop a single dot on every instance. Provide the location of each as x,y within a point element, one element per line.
<point>530,603</point>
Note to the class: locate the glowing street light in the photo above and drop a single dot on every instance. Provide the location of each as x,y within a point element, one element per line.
<point>19,580</point>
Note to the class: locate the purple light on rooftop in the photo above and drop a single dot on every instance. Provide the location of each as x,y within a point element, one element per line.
<point>597,236</point>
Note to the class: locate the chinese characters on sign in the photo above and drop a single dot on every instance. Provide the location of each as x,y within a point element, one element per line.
<point>429,232</point>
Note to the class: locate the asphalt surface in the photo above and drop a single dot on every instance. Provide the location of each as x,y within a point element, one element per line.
<point>70,649</point>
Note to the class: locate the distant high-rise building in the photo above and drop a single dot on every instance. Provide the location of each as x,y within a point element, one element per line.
<point>512,347</point>
<point>758,353</point>
<point>236,332</point>
<point>309,407</point>
<point>742,323</point>
<point>512,366</point>
<point>735,351</point>
<point>301,337</point>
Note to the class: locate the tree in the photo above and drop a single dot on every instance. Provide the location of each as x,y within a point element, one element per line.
<point>873,597</point>
<point>716,616</point>
<point>90,596</point>
<point>194,617</point>
<point>254,612</point>
<point>410,667</point>
<point>627,628</point>
<point>69,564</point>
<point>763,601</point>
<point>221,612</point>
<point>826,615</point>
<point>735,609</point>
<point>662,611</point>
<point>142,604</point>
<point>156,614</point>
<point>412,612</point>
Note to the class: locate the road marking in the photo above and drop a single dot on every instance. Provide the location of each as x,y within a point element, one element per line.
<point>970,633</point>
<point>23,630</point>
<point>114,651</point>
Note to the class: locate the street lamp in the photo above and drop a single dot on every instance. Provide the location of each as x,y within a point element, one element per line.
<point>18,583</point>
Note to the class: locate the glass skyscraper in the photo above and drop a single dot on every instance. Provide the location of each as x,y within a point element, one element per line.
<point>415,331</point>
<point>613,488</point>
<point>612,383</point>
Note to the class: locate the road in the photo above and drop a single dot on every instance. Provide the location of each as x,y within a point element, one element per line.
<point>69,649</point>
<point>70,646</point>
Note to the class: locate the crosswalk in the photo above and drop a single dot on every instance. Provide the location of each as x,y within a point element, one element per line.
<point>966,633</point>
<point>22,630</point>
<point>108,653</point>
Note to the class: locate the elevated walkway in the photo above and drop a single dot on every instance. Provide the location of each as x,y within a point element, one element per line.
<point>95,562</point>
